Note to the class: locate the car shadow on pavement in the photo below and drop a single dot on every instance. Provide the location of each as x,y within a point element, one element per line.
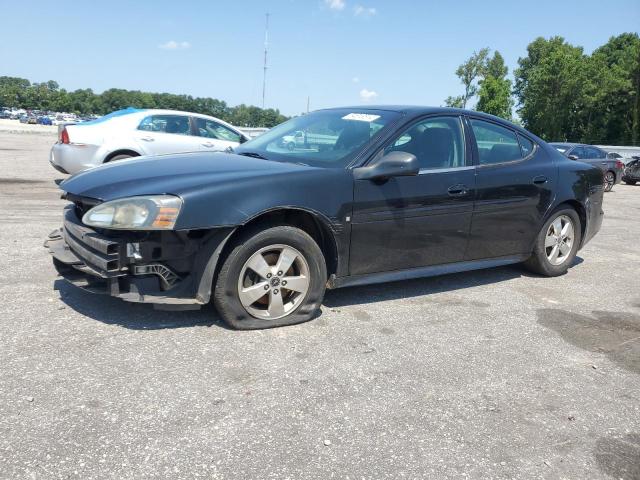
<point>135,316</point>
<point>425,286</point>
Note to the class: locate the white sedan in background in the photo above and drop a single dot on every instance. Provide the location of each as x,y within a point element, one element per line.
<point>135,132</point>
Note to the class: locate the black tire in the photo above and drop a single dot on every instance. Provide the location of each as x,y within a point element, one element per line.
<point>539,262</point>
<point>608,185</point>
<point>630,182</point>
<point>226,295</point>
<point>122,156</point>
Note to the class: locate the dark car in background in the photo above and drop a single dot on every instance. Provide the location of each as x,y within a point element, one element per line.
<point>611,166</point>
<point>384,194</point>
<point>631,174</point>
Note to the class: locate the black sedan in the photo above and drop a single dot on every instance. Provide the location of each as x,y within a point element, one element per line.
<point>611,166</point>
<point>368,195</point>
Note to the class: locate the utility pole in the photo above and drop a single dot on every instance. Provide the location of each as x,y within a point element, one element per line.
<point>266,45</point>
<point>308,100</point>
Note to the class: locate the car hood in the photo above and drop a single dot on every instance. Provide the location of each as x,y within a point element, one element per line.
<point>220,189</point>
<point>171,174</point>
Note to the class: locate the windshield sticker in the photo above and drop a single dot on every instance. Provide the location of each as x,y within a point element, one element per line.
<point>361,117</point>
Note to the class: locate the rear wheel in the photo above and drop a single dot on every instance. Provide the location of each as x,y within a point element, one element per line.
<point>609,181</point>
<point>271,278</point>
<point>122,156</point>
<point>557,244</point>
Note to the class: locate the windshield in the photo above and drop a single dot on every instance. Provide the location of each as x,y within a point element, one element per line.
<point>326,138</point>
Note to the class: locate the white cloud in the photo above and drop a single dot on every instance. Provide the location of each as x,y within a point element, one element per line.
<point>355,79</point>
<point>360,11</point>
<point>173,45</point>
<point>335,4</point>
<point>367,95</point>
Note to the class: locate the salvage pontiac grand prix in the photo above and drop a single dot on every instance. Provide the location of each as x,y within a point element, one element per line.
<point>370,195</point>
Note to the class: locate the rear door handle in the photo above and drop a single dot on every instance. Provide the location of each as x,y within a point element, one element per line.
<point>457,190</point>
<point>208,144</point>
<point>604,163</point>
<point>147,139</point>
<point>540,179</point>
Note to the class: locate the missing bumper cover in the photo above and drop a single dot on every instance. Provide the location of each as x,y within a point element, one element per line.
<point>167,277</point>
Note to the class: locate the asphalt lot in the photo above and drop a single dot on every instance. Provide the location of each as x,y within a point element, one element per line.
<point>490,374</point>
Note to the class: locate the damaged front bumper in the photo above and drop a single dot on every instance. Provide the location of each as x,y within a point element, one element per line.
<point>172,270</point>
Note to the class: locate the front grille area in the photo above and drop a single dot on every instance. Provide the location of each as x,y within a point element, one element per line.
<point>81,204</point>
<point>98,252</point>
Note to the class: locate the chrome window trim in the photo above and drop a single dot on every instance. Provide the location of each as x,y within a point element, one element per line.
<point>424,171</point>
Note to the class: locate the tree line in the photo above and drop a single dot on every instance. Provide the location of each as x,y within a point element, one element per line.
<point>21,93</point>
<point>560,93</point>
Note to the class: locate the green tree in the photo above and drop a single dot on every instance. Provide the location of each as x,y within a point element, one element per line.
<point>549,85</point>
<point>455,102</point>
<point>19,92</point>
<point>494,94</point>
<point>469,73</point>
<point>12,91</point>
<point>611,103</point>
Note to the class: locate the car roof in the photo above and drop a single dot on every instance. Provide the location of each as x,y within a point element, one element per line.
<point>143,112</point>
<point>413,109</point>
<point>418,110</point>
<point>573,144</point>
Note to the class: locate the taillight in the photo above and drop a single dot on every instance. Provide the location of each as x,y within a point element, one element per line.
<point>619,164</point>
<point>64,136</point>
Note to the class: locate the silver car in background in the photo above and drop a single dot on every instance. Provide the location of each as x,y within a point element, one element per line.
<point>134,132</point>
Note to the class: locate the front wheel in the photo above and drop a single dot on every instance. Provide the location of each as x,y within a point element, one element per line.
<point>609,181</point>
<point>557,244</point>
<point>271,278</point>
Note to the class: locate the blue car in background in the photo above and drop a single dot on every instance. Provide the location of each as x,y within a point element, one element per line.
<point>44,120</point>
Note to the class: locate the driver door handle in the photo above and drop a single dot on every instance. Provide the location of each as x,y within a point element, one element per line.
<point>539,180</point>
<point>457,190</point>
<point>147,139</point>
<point>208,144</point>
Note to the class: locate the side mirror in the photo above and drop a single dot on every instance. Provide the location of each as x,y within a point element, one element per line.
<point>393,164</point>
<point>573,157</point>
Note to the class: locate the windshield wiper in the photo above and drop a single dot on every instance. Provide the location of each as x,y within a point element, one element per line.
<point>253,155</point>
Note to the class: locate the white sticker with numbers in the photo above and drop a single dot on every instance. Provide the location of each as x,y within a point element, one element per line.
<point>361,117</point>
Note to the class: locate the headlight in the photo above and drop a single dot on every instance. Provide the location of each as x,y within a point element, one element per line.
<point>158,212</point>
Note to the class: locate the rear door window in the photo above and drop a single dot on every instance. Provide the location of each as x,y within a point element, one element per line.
<point>578,152</point>
<point>175,124</point>
<point>593,152</point>
<point>526,146</point>
<point>496,144</point>
<point>210,129</point>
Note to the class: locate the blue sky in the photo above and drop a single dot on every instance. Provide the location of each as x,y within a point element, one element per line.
<point>337,52</point>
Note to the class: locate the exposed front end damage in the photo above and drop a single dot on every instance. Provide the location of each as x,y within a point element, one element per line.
<point>171,269</point>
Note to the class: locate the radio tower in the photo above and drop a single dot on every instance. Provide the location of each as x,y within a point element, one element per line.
<point>266,45</point>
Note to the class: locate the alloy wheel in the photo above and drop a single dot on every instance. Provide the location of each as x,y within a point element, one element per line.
<point>273,282</point>
<point>559,239</point>
<point>609,180</point>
